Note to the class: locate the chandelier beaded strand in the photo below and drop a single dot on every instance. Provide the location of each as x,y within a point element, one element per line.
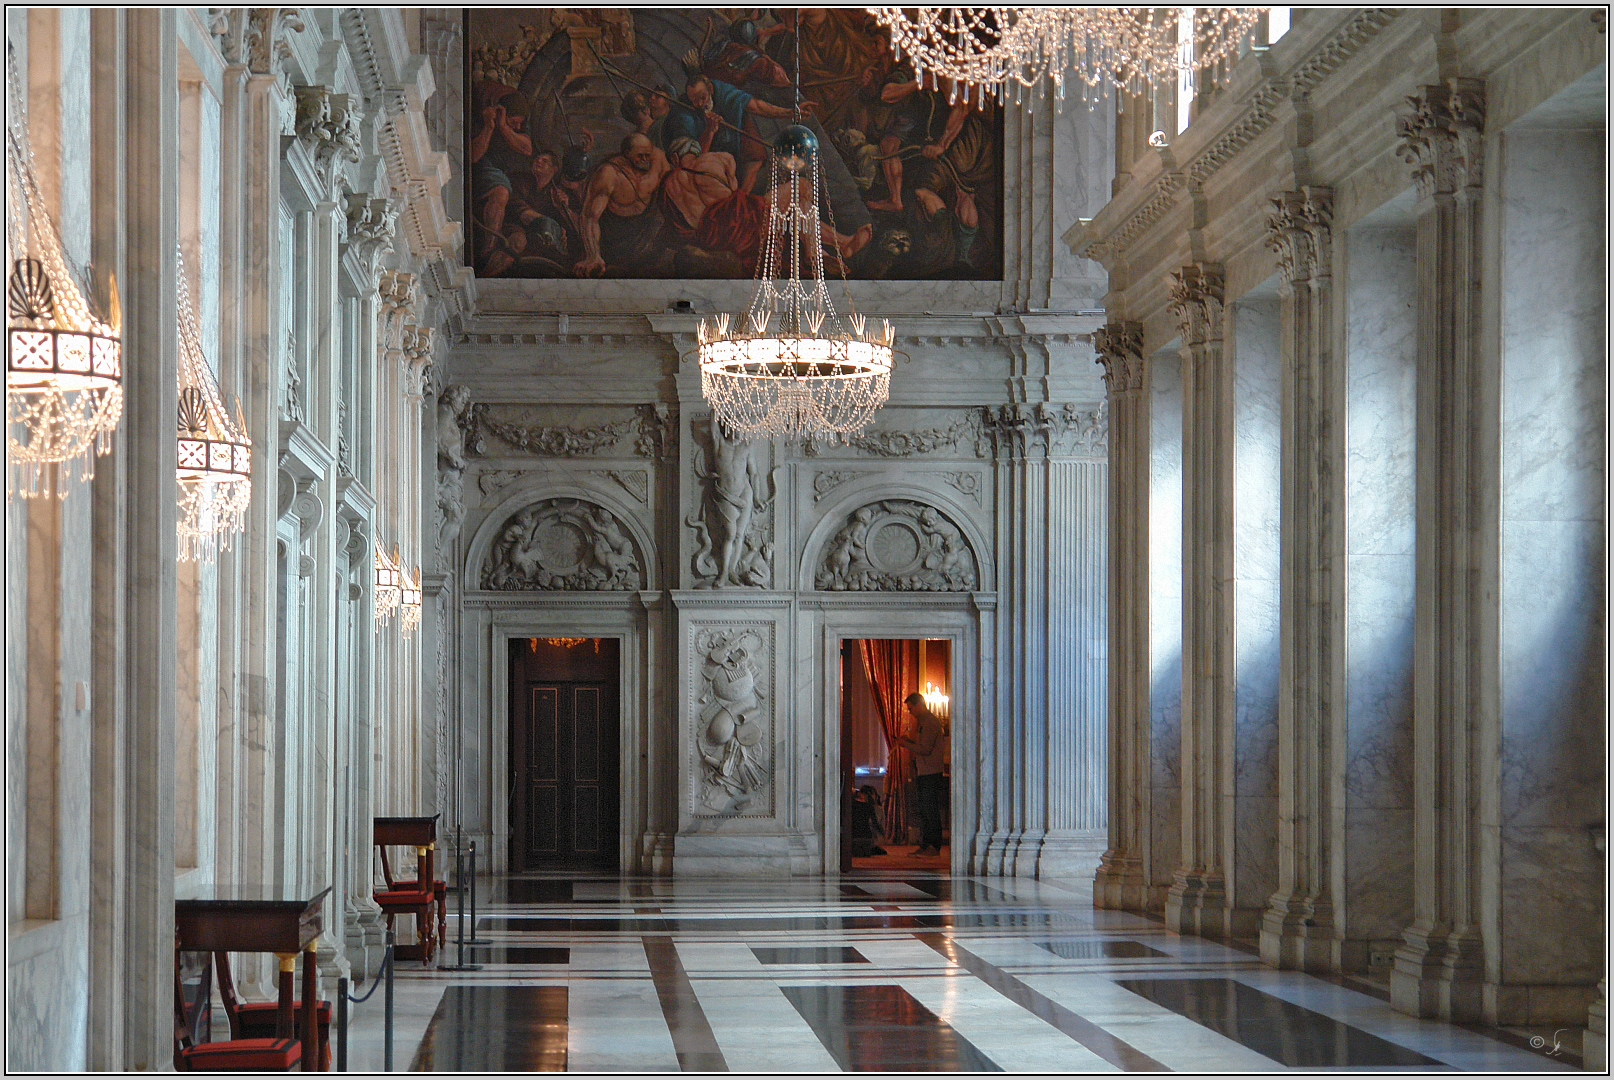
<point>792,365</point>
<point>215,453</point>
<point>64,374</point>
<point>1011,50</point>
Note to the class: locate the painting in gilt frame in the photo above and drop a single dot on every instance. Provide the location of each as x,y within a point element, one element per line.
<point>633,143</point>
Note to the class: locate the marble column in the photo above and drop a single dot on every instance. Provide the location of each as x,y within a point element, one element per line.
<point>1197,901</point>
<point>1297,929</point>
<point>1439,966</point>
<point>1121,881</point>
<point>151,395</point>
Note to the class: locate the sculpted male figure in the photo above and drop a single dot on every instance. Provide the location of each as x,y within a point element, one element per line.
<point>618,217</point>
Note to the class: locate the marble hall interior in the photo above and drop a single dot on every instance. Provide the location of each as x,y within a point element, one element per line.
<point>1198,663</point>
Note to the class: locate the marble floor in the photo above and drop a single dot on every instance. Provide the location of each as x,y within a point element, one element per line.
<point>879,970</point>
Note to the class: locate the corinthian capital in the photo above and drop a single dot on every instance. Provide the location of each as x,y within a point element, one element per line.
<point>254,37</point>
<point>328,125</point>
<point>1196,300</point>
<point>1442,136</point>
<point>1299,229</point>
<point>1119,349</point>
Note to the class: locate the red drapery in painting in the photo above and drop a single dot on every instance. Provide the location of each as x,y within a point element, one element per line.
<point>893,671</point>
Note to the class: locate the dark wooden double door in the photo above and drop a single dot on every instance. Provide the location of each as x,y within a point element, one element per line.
<point>564,796</point>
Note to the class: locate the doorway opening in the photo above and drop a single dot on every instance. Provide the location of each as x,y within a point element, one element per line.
<point>564,787</point>
<point>896,767</point>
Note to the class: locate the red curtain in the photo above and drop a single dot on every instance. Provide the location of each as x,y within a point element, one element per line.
<point>893,671</point>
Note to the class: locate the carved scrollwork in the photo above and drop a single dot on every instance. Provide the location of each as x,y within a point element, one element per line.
<point>898,545</point>
<point>255,37</point>
<point>731,727</point>
<point>826,482</point>
<point>966,430</point>
<point>563,544</point>
<point>544,441</point>
<point>370,225</point>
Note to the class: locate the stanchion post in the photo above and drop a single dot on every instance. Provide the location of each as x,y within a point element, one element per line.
<point>459,938</point>
<point>341,1023</point>
<point>390,952</point>
<point>473,939</point>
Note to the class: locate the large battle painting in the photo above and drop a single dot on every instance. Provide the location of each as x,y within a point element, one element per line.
<point>633,143</point>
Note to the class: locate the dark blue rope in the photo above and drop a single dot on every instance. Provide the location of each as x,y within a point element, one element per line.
<point>379,979</point>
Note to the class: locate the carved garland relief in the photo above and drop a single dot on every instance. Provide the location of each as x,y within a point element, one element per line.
<point>898,544</point>
<point>565,544</point>
<point>732,721</point>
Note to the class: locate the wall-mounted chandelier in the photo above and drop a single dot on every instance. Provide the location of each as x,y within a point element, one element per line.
<point>388,583</point>
<point>64,373</point>
<point>409,602</point>
<point>1010,50</point>
<point>791,364</point>
<point>215,453</point>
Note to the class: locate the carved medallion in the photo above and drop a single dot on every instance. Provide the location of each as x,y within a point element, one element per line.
<point>563,544</point>
<point>899,545</point>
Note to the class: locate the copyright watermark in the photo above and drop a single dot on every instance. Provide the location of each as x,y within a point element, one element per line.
<point>1537,1042</point>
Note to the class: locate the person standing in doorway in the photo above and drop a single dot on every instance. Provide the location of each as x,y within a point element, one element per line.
<point>929,753</point>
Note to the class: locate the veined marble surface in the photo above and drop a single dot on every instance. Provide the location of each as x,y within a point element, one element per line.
<point>1165,612</point>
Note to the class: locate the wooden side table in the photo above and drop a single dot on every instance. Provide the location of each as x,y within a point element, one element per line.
<point>257,918</point>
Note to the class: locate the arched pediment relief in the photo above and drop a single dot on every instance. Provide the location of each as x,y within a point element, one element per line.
<point>565,544</point>
<point>899,545</point>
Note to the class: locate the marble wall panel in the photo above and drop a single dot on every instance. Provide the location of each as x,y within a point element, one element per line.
<point>1373,882</point>
<point>1165,615</point>
<point>1554,379</point>
<point>1256,466</point>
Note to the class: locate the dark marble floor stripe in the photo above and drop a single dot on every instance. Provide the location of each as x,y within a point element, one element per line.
<point>1278,1029</point>
<point>825,954</point>
<point>483,1028</point>
<point>884,1029</point>
<point>1118,1053</point>
<point>673,924</point>
<point>520,954</point>
<point>692,1036</point>
<point>1099,950</point>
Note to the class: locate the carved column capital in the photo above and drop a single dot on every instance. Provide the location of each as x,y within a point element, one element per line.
<point>1442,131</point>
<point>370,225</point>
<point>328,126</point>
<point>415,348</point>
<point>1196,300</point>
<point>1300,230</point>
<point>1119,351</point>
<point>254,37</point>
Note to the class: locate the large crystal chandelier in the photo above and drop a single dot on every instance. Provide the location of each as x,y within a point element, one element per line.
<point>1013,49</point>
<point>215,453</point>
<point>64,389</point>
<point>791,364</point>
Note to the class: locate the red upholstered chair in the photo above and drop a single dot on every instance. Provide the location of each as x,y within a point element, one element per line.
<point>397,899</point>
<point>256,1019</point>
<point>236,1055</point>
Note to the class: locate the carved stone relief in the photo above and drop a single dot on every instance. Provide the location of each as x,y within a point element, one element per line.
<point>1118,348</point>
<point>965,430</point>
<point>328,125</point>
<point>543,441</point>
<point>968,483</point>
<point>898,545</point>
<point>1069,430</point>
<point>825,482</point>
<point>563,544</point>
<point>254,37</point>
<point>733,523</point>
<point>453,427</point>
<point>1442,131</point>
<point>635,483</point>
<point>370,225</point>
<point>731,719</point>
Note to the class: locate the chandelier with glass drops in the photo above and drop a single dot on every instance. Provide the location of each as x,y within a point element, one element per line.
<point>215,453</point>
<point>64,374</point>
<point>388,583</point>
<point>791,364</point>
<point>409,600</point>
<point>1011,50</point>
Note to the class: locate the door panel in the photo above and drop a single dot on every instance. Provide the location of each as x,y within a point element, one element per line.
<point>564,805</point>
